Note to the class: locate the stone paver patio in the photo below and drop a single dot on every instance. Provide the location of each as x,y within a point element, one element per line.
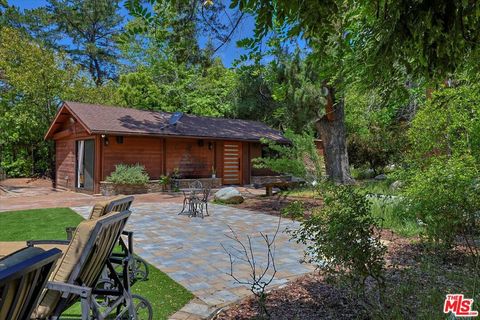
<point>189,250</point>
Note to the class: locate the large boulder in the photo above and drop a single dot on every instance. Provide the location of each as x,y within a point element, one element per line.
<point>229,195</point>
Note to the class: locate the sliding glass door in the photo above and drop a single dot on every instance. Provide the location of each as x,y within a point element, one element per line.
<point>85,164</point>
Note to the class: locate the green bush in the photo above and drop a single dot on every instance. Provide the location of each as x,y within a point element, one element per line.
<point>375,137</point>
<point>448,124</point>
<point>444,196</point>
<point>129,174</point>
<point>443,167</point>
<point>341,236</point>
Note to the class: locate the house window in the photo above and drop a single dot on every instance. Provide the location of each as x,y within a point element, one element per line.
<point>268,153</point>
<point>119,139</point>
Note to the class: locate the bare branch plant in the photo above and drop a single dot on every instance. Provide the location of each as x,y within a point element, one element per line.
<point>261,274</point>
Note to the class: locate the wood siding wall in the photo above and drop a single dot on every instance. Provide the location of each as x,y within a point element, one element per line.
<point>65,163</point>
<point>256,152</point>
<point>193,157</point>
<point>65,154</point>
<point>147,151</point>
<point>160,156</point>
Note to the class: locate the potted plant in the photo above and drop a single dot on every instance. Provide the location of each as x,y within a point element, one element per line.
<point>164,182</point>
<point>128,179</point>
<point>174,183</point>
<point>214,173</point>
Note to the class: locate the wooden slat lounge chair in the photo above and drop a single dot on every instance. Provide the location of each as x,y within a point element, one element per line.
<point>138,266</point>
<point>23,276</point>
<point>80,267</point>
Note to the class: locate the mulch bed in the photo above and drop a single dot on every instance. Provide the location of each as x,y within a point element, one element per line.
<point>310,297</point>
<point>307,298</point>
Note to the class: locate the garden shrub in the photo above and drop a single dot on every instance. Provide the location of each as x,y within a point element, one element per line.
<point>448,124</point>
<point>445,197</point>
<point>443,174</point>
<point>341,236</point>
<point>129,174</point>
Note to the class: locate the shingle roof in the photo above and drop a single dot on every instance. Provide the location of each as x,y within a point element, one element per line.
<point>128,121</point>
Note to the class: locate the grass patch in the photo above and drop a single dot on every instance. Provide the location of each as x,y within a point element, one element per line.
<point>165,295</point>
<point>305,192</point>
<point>392,214</point>
<point>38,224</point>
<point>377,187</point>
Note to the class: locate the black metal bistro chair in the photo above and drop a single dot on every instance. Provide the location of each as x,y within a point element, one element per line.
<point>200,203</point>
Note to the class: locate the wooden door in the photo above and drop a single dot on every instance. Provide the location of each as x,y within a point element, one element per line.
<point>232,162</point>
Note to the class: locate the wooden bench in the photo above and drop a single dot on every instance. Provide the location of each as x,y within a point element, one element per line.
<point>277,182</point>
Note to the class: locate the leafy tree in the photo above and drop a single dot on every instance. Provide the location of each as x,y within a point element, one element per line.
<point>160,77</point>
<point>179,23</point>
<point>448,124</point>
<point>31,84</point>
<point>376,129</point>
<point>284,92</point>
<point>33,81</point>
<point>180,88</point>
<point>254,95</point>
<point>372,42</point>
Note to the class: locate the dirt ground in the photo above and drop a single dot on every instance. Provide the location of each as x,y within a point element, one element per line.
<point>256,200</point>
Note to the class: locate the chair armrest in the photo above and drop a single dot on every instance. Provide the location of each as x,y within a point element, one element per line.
<point>32,243</point>
<point>83,292</point>
<point>127,233</point>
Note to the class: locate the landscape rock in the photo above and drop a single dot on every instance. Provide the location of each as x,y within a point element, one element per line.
<point>229,195</point>
<point>396,185</point>
<point>382,176</point>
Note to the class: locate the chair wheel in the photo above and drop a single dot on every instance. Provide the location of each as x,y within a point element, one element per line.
<point>140,269</point>
<point>143,309</point>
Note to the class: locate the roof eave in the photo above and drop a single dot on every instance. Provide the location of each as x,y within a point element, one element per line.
<point>49,135</point>
<point>160,135</point>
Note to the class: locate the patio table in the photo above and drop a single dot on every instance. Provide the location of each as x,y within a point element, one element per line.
<point>190,194</point>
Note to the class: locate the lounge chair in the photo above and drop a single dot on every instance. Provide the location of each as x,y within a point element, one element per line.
<point>81,266</point>
<point>138,266</point>
<point>23,276</point>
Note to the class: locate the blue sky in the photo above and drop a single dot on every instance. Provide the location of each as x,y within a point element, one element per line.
<point>228,53</point>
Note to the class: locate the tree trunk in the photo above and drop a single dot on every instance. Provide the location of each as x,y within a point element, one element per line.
<point>331,128</point>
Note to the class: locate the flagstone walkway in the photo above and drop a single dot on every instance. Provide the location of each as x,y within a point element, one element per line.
<point>190,250</point>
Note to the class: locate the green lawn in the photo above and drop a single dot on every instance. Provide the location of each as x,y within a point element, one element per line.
<point>165,295</point>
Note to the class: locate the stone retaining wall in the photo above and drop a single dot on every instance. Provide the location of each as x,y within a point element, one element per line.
<point>112,189</point>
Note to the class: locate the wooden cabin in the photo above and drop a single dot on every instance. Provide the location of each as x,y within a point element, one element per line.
<point>90,140</point>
